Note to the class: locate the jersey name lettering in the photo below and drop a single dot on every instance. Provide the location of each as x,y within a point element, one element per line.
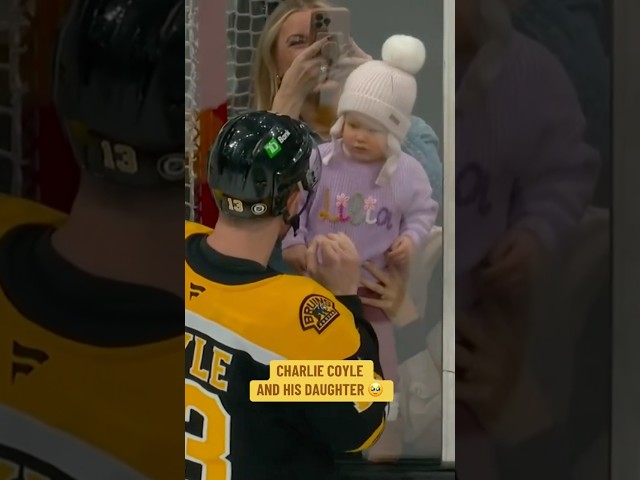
<point>207,363</point>
<point>207,423</point>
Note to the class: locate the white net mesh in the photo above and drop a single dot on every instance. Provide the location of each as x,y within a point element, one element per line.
<point>245,21</point>
<point>191,133</point>
<point>15,19</point>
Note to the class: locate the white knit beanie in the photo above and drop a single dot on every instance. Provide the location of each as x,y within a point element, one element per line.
<point>384,90</point>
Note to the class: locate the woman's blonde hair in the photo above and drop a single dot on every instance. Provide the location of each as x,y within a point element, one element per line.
<point>264,76</point>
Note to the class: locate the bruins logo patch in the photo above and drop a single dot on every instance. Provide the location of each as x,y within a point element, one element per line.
<point>317,312</point>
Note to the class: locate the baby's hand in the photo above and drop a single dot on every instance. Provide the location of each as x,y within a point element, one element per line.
<point>401,251</point>
<point>296,257</point>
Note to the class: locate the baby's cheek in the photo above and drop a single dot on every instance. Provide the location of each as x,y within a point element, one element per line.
<point>381,143</point>
<point>347,137</point>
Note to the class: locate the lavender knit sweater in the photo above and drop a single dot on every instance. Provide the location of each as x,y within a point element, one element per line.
<point>521,158</point>
<point>348,200</point>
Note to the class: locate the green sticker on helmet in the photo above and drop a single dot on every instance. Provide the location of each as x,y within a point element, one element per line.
<point>272,148</point>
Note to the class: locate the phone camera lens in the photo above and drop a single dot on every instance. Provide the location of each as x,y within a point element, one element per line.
<point>319,16</point>
<point>319,25</point>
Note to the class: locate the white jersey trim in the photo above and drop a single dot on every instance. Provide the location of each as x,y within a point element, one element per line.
<point>61,450</point>
<point>229,338</point>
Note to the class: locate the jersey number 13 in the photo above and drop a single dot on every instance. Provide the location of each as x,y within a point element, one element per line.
<point>207,432</point>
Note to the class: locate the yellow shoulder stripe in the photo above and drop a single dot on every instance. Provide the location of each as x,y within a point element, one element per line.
<point>283,315</point>
<point>192,228</point>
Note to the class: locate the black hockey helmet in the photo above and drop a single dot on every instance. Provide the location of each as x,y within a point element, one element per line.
<point>119,88</point>
<point>257,162</point>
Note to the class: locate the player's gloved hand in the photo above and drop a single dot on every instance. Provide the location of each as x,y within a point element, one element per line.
<point>296,257</point>
<point>333,261</point>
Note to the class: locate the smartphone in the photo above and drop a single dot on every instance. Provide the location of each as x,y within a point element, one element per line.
<point>334,23</point>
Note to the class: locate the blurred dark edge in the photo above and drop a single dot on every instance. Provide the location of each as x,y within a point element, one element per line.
<point>62,182</point>
<point>405,469</point>
<point>579,395</point>
<point>625,445</point>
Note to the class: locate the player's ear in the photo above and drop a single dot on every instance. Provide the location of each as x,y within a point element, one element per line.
<point>293,202</point>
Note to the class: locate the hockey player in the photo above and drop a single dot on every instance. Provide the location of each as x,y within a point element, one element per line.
<point>91,314</point>
<point>240,315</point>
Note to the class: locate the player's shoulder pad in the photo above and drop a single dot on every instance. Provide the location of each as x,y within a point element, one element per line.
<point>193,228</point>
<point>15,211</point>
<point>324,326</point>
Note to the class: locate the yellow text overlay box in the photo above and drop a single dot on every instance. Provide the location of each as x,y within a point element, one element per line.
<point>321,381</point>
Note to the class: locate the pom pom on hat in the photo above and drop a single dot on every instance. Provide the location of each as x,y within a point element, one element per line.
<point>405,53</point>
<point>384,90</point>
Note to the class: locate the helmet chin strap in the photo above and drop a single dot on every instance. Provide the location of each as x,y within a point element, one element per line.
<point>293,221</point>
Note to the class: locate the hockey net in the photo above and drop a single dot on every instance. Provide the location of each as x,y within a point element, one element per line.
<point>15,20</point>
<point>201,125</point>
<point>35,158</point>
<point>192,123</point>
<point>245,21</point>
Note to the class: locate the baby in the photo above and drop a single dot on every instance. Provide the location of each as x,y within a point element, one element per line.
<point>369,189</point>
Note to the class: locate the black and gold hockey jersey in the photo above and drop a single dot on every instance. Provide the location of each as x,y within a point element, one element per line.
<point>87,365</point>
<point>238,317</point>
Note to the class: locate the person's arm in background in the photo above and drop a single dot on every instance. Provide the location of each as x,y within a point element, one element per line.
<point>503,391</point>
<point>397,304</point>
<point>300,79</point>
<point>419,397</point>
<point>555,184</point>
<point>555,177</point>
<point>410,330</point>
<point>573,30</point>
<point>423,144</point>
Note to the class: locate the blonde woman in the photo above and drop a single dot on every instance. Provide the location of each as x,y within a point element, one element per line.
<point>286,78</point>
<point>287,74</point>
<point>287,71</point>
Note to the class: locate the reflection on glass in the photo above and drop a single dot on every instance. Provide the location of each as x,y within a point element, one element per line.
<point>531,127</point>
<point>379,125</point>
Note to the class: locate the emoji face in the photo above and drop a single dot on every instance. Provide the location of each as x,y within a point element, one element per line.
<point>375,389</point>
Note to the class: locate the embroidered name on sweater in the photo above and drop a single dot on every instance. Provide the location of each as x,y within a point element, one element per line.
<point>355,209</point>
